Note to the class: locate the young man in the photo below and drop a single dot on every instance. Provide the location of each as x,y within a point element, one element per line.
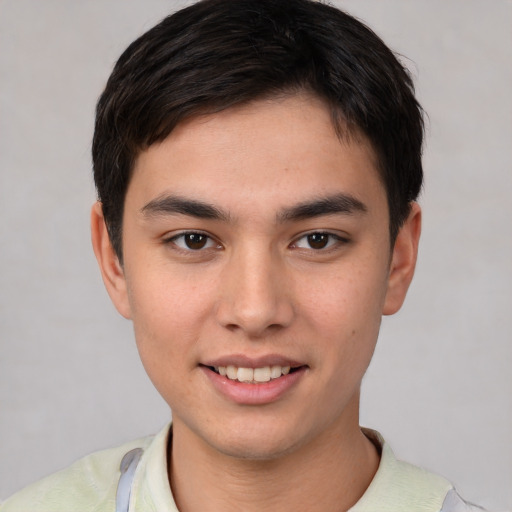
<point>257,166</point>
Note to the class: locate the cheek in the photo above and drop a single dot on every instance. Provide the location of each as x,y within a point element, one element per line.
<point>167,314</point>
<point>346,298</point>
<point>346,310</point>
<point>165,341</point>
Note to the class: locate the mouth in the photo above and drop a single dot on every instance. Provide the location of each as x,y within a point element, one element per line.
<point>254,381</point>
<point>253,375</point>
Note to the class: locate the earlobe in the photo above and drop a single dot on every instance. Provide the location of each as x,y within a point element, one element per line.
<point>110,267</point>
<point>403,261</point>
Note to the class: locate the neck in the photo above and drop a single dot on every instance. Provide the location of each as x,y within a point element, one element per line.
<point>329,473</point>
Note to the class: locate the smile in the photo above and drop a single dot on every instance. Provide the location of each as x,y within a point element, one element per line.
<point>252,375</point>
<point>254,382</point>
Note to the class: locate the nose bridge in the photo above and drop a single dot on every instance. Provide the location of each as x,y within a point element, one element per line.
<point>254,295</point>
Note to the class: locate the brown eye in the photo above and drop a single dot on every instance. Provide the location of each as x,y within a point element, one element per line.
<point>318,240</point>
<point>195,241</point>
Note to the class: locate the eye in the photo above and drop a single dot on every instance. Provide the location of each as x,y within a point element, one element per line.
<point>193,241</point>
<point>318,241</point>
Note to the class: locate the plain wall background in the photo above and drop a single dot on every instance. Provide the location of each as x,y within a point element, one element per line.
<point>440,385</point>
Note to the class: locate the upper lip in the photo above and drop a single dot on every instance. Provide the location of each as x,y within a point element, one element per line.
<point>244,361</point>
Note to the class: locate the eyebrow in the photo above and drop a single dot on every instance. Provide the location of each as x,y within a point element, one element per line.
<point>335,204</point>
<point>171,205</point>
<point>338,203</point>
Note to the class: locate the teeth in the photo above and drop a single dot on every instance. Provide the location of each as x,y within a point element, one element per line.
<point>231,372</point>
<point>276,371</point>
<point>262,374</point>
<point>252,375</point>
<point>245,374</point>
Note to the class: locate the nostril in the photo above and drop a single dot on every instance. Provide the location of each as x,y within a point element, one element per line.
<point>252,307</point>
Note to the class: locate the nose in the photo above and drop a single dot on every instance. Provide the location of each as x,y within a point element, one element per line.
<point>255,297</point>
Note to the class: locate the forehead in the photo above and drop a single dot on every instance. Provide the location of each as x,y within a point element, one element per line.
<point>274,151</point>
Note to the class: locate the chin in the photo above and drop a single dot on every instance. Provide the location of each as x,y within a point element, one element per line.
<point>252,450</point>
<point>260,442</point>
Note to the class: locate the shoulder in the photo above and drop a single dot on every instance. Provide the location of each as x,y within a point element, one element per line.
<point>401,487</point>
<point>88,484</point>
<point>454,503</point>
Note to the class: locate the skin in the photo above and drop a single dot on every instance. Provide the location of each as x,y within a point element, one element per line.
<point>257,288</point>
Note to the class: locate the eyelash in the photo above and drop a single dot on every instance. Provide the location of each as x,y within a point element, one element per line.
<point>209,242</point>
<point>332,242</point>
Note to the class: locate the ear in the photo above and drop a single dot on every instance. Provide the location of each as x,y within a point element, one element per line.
<point>111,269</point>
<point>403,261</point>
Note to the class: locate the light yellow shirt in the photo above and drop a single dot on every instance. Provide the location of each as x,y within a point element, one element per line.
<point>91,484</point>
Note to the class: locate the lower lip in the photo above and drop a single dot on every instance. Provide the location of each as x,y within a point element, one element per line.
<point>254,394</point>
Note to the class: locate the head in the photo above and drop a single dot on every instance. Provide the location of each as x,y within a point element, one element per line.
<point>257,164</point>
<point>219,54</point>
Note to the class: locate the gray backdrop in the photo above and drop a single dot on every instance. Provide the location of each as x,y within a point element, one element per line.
<point>440,385</point>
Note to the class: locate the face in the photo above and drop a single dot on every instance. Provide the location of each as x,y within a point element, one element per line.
<point>257,266</point>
